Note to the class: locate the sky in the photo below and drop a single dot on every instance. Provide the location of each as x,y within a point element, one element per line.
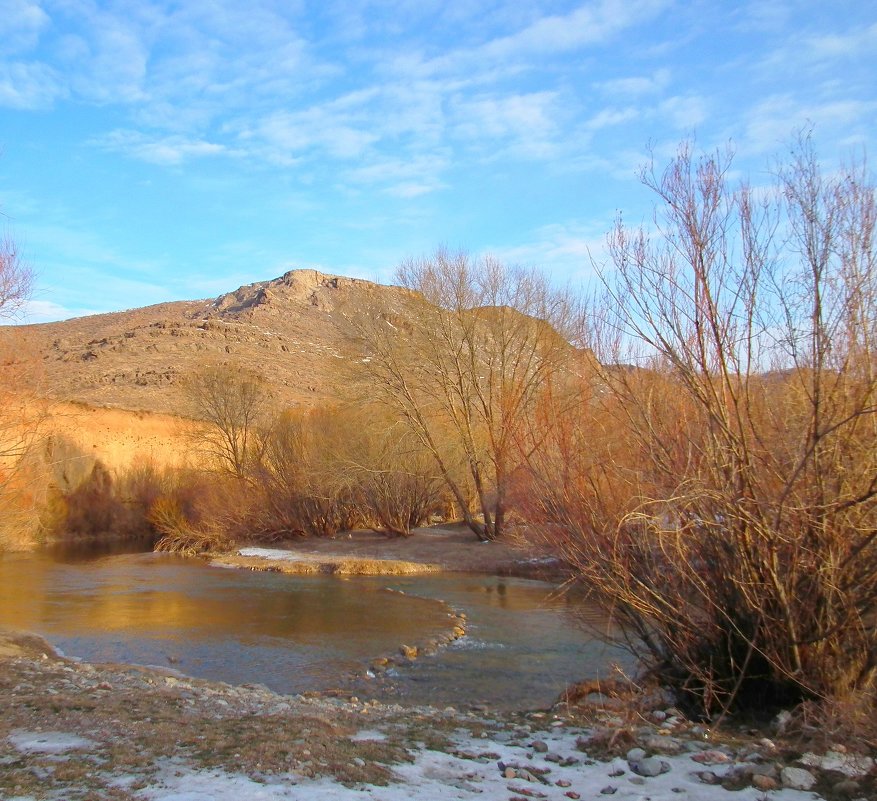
<point>154,151</point>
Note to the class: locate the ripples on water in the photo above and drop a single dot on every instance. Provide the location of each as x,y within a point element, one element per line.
<point>296,633</point>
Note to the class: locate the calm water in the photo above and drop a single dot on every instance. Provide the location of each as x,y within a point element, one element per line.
<point>297,633</point>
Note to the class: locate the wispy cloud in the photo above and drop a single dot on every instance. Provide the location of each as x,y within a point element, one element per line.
<point>168,150</point>
<point>529,121</point>
<point>548,36</point>
<point>636,86</point>
<point>569,249</point>
<point>405,178</point>
<point>771,122</point>
<point>29,86</point>
<point>47,311</point>
<point>21,23</point>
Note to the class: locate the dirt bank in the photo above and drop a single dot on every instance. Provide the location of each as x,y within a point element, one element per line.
<point>450,548</point>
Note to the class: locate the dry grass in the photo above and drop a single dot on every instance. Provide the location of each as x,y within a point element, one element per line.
<point>310,564</point>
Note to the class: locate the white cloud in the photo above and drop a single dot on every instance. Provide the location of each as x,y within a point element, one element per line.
<point>169,150</point>
<point>288,135</point>
<point>47,311</point>
<point>568,249</point>
<point>587,25</point>
<point>29,85</point>
<point>608,117</point>
<point>21,23</point>
<point>402,177</point>
<point>684,112</point>
<point>636,86</point>
<point>525,117</point>
<point>772,121</point>
<point>842,45</point>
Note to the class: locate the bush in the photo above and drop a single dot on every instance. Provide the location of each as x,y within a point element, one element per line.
<point>720,495</point>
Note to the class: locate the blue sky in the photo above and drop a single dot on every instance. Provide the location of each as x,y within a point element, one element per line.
<point>154,151</point>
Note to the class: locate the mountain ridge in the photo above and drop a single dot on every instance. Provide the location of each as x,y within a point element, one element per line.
<point>290,329</point>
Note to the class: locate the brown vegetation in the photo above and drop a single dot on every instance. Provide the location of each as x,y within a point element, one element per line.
<point>721,498</point>
<point>463,368</point>
<point>20,407</point>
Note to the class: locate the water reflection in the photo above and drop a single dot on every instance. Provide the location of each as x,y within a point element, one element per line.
<point>296,633</point>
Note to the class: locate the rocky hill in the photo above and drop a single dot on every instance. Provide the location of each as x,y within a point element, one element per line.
<point>291,330</point>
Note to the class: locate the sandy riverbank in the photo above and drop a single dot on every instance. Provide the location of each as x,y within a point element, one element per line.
<point>77,731</point>
<point>450,548</point>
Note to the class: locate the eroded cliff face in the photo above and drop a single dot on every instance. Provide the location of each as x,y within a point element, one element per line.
<point>122,438</point>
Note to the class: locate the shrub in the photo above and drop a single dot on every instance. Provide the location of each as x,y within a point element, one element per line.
<point>720,496</point>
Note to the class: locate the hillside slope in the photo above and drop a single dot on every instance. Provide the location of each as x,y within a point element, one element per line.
<point>291,330</point>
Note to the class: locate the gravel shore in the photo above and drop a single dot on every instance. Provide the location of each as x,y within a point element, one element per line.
<point>72,730</point>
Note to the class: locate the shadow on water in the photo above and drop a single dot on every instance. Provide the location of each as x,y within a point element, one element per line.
<point>524,643</point>
<point>86,550</point>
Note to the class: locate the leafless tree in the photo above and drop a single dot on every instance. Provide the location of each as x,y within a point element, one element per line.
<point>462,364</point>
<point>20,413</point>
<point>388,471</point>
<point>719,492</point>
<point>232,403</point>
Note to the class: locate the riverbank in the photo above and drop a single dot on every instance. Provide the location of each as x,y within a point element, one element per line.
<point>71,730</point>
<point>434,549</point>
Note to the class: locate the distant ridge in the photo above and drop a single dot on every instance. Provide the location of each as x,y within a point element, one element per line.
<point>289,329</point>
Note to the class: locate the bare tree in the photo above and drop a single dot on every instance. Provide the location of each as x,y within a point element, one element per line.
<point>20,414</point>
<point>392,477</point>
<point>462,364</point>
<point>720,495</point>
<point>232,403</point>
<point>16,279</point>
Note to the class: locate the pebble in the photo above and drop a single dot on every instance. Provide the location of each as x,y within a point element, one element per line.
<point>635,755</point>
<point>764,769</point>
<point>572,794</point>
<point>539,746</point>
<point>797,778</point>
<point>847,787</point>
<point>609,790</point>
<point>765,783</point>
<point>664,745</point>
<point>563,783</point>
<point>711,757</point>
<point>650,766</point>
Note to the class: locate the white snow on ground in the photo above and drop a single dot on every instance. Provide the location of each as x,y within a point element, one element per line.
<point>276,554</point>
<point>47,742</point>
<point>436,776</point>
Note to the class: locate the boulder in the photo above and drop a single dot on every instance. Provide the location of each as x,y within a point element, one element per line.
<point>797,778</point>
<point>650,766</point>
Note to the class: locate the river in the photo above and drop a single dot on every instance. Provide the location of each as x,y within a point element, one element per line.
<point>524,641</point>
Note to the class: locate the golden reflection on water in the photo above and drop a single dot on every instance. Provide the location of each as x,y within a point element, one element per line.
<point>295,633</point>
<point>116,596</point>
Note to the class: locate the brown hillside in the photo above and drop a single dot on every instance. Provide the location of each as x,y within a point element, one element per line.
<point>290,330</point>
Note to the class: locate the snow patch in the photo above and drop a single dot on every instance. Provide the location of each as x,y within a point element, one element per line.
<point>48,742</point>
<point>437,776</point>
